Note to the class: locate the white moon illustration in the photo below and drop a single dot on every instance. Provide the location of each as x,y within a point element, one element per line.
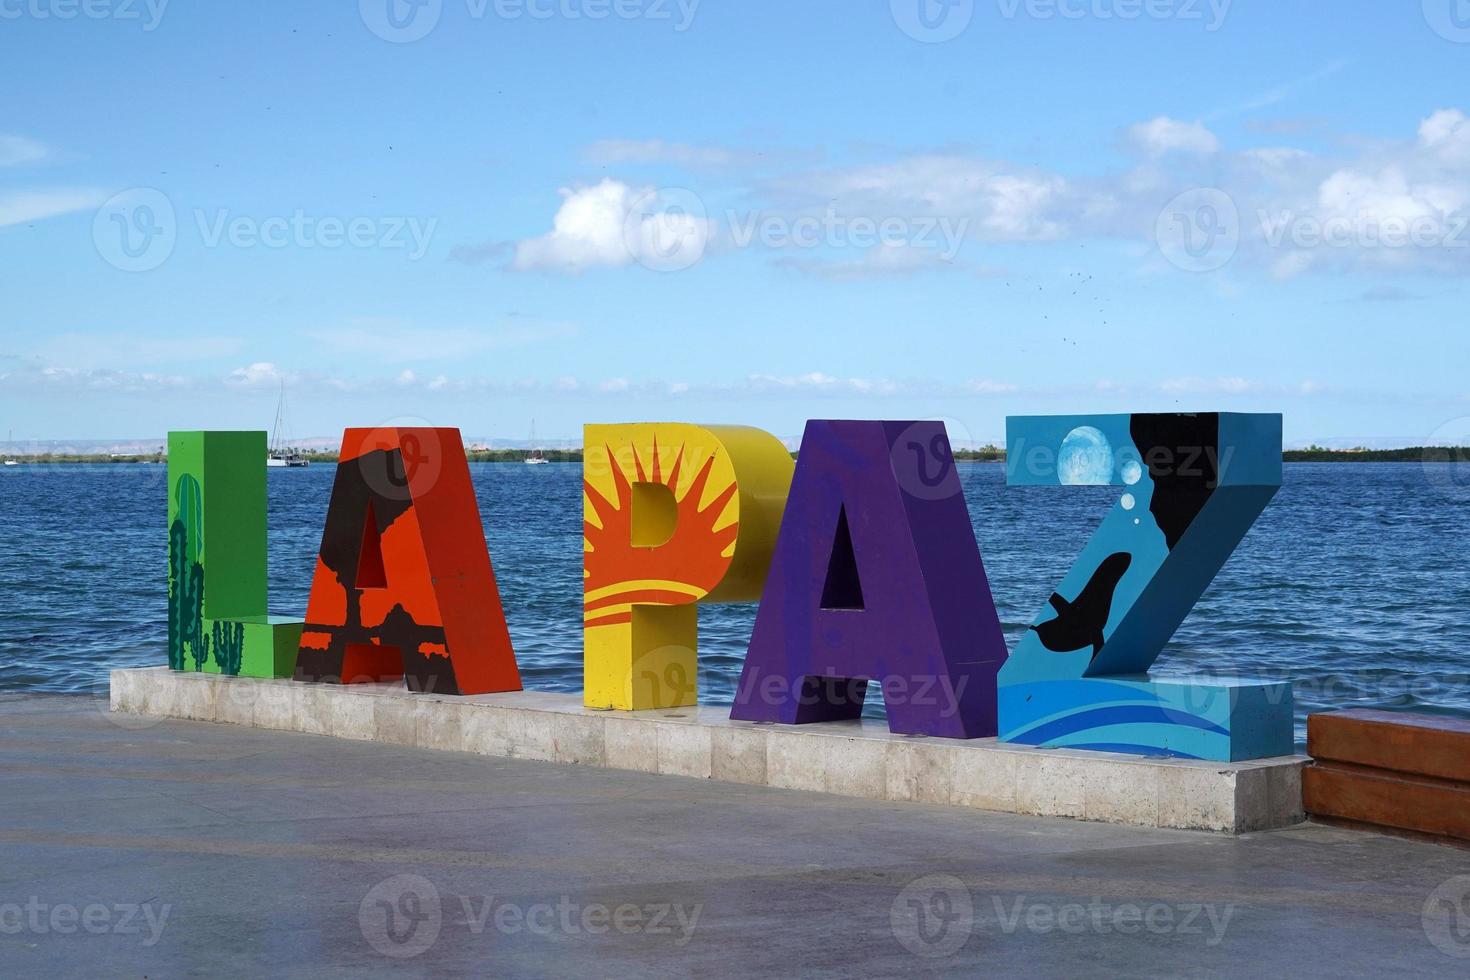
<point>1085,459</point>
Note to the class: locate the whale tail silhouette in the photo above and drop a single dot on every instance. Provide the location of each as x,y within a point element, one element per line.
<point>1079,622</point>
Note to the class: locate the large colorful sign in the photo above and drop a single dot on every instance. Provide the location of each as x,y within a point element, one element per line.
<point>1192,486</point>
<point>674,515</point>
<point>869,574</point>
<point>218,619</point>
<point>877,580</point>
<point>403,585</point>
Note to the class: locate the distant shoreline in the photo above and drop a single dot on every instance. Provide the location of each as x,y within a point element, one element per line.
<point>1314,454</point>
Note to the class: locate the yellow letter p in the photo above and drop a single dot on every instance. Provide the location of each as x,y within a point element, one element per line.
<point>673,515</point>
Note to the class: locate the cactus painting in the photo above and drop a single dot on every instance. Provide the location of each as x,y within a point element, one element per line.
<point>186,639</point>
<point>217,537</point>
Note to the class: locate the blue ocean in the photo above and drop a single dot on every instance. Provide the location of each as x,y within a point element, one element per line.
<point>1353,584</point>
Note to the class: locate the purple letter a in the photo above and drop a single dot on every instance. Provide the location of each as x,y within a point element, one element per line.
<point>876,577</point>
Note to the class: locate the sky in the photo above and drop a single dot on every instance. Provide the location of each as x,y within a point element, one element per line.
<point>481,213</point>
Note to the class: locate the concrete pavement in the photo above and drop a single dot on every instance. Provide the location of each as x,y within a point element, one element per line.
<point>137,847</point>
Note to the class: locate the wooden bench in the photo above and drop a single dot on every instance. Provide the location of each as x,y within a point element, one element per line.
<point>1388,769</point>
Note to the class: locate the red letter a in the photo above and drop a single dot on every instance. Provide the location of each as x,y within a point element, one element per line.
<point>403,584</point>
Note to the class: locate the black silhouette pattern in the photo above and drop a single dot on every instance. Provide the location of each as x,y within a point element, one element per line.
<point>1182,454</point>
<point>370,490</point>
<point>1080,623</point>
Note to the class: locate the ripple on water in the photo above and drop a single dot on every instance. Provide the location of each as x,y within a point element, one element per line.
<point>1352,584</point>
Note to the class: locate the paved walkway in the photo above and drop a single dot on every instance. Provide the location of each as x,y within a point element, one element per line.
<point>133,847</point>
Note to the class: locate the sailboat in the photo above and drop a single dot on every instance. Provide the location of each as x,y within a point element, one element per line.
<point>537,457</point>
<point>9,439</point>
<point>278,455</point>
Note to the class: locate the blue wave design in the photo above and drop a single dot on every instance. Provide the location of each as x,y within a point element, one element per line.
<point>1023,703</point>
<point>1121,714</point>
<point>1130,749</point>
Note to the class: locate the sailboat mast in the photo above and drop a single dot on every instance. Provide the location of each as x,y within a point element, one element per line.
<point>276,429</point>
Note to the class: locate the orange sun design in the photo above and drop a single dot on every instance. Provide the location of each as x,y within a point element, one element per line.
<point>618,574</point>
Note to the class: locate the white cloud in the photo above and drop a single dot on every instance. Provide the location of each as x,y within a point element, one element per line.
<point>18,150</point>
<point>1004,202</point>
<point>1447,133</point>
<point>20,207</point>
<point>816,382</point>
<point>261,374</point>
<point>605,226</point>
<point>88,380</point>
<point>1163,135</point>
<point>1421,179</point>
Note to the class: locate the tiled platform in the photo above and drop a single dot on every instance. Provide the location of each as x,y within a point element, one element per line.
<point>846,758</point>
